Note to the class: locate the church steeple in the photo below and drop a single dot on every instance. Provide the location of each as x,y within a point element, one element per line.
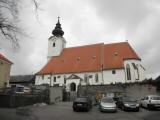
<point>56,43</point>
<point>58,32</point>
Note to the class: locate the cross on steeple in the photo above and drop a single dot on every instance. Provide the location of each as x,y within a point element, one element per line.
<point>58,18</point>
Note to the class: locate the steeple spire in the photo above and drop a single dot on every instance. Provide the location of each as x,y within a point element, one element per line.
<point>58,32</point>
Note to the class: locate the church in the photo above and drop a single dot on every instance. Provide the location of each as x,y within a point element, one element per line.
<point>95,64</point>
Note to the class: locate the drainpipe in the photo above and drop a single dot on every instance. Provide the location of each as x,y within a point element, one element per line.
<point>50,79</point>
<point>102,75</point>
<point>102,61</point>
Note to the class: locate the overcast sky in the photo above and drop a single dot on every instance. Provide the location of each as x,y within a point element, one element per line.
<point>87,22</point>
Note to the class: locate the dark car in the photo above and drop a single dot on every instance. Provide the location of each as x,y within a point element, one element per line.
<point>116,99</point>
<point>82,103</point>
<point>128,103</point>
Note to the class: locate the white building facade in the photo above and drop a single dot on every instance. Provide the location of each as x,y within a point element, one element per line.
<point>98,64</point>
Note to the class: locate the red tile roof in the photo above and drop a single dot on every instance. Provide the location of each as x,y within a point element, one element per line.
<point>115,53</point>
<point>90,58</point>
<point>2,57</point>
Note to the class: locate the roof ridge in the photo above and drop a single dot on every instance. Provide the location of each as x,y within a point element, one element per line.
<point>115,43</point>
<point>85,45</point>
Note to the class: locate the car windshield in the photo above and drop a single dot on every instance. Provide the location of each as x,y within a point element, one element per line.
<point>81,99</point>
<point>156,98</point>
<point>107,100</point>
<point>128,99</point>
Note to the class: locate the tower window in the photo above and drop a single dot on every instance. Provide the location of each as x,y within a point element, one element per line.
<point>113,71</point>
<point>54,44</point>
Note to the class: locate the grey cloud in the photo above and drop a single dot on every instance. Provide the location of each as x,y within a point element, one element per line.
<point>89,22</point>
<point>123,13</point>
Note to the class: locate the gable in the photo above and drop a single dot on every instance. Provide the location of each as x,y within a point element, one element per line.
<point>2,57</point>
<point>74,77</point>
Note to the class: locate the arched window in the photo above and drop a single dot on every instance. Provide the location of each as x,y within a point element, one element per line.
<point>54,44</point>
<point>128,72</point>
<point>73,86</point>
<point>137,72</point>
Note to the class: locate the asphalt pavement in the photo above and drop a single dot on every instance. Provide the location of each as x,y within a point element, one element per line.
<point>63,111</point>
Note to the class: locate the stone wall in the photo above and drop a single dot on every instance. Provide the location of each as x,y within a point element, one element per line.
<point>134,90</point>
<point>55,94</point>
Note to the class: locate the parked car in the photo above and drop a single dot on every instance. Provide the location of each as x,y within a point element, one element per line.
<point>82,103</point>
<point>151,101</point>
<point>107,104</point>
<point>128,103</point>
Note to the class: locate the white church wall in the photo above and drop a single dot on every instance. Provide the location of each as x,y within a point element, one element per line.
<point>90,76</point>
<point>42,79</point>
<point>49,79</point>
<point>118,77</point>
<point>106,78</point>
<point>140,71</point>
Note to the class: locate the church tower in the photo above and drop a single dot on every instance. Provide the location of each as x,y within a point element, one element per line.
<point>56,43</point>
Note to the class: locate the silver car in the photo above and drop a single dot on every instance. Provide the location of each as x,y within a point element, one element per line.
<point>107,105</point>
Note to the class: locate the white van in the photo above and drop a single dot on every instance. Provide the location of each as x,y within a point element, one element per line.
<point>151,101</point>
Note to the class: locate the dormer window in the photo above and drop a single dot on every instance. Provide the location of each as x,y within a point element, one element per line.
<point>115,53</point>
<point>78,58</point>
<point>62,60</point>
<point>54,44</point>
<point>93,57</point>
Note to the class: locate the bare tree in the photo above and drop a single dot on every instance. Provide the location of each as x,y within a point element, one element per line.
<point>9,10</point>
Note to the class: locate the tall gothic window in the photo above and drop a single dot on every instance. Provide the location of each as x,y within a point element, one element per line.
<point>128,72</point>
<point>136,71</point>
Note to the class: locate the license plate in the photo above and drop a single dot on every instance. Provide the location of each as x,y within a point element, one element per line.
<point>133,106</point>
<point>79,104</point>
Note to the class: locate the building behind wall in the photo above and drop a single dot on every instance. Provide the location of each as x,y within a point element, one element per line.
<point>5,66</point>
<point>25,80</point>
<point>95,64</point>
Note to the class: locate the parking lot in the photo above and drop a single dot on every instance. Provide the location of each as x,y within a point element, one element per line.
<point>63,111</point>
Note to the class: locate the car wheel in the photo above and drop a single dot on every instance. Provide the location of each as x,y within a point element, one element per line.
<point>74,109</point>
<point>87,109</point>
<point>137,110</point>
<point>141,105</point>
<point>123,108</point>
<point>149,107</point>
